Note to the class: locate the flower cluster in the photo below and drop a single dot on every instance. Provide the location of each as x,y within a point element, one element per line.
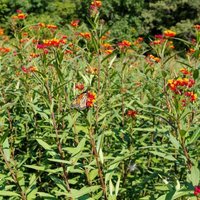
<point>124,44</point>
<point>20,15</point>
<point>91,97</point>
<point>29,69</point>
<point>197,190</point>
<point>51,43</point>
<point>107,48</point>
<point>85,35</point>
<point>182,87</point>
<point>4,50</point>
<point>185,71</point>
<point>151,59</point>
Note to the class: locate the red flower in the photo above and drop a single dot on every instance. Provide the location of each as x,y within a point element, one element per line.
<point>85,35</point>
<point>75,23</point>
<point>169,33</point>
<point>196,190</point>
<point>185,71</point>
<point>197,27</point>
<point>79,86</point>
<point>124,44</point>
<point>95,5</point>
<point>91,97</point>
<point>131,113</point>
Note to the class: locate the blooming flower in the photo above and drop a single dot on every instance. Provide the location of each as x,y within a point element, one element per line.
<point>51,26</point>
<point>185,71</point>
<point>91,97</point>
<point>124,44</point>
<point>197,27</point>
<point>4,50</point>
<point>1,31</point>
<point>29,69</point>
<point>85,35</point>
<point>79,86</point>
<point>75,23</point>
<point>169,33</point>
<point>42,25</point>
<point>95,5</point>
<point>196,190</point>
<point>131,113</point>
<point>19,16</point>
<point>153,58</point>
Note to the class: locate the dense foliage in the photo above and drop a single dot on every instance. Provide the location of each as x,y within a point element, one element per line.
<point>85,115</point>
<point>125,17</point>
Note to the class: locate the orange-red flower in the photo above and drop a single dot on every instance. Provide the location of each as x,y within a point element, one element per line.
<point>34,55</point>
<point>131,113</point>
<point>91,97</point>
<point>95,4</point>
<point>75,23</point>
<point>79,86</point>
<point>124,43</point>
<point>85,35</point>
<point>153,58</point>
<point>185,71</point>
<point>29,69</point>
<point>42,25</point>
<point>107,48</point>
<point>1,31</point>
<point>191,95</point>
<point>4,50</point>
<point>169,33</point>
<point>51,26</point>
<point>19,16</point>
<point>197,27</point>
<point>53,42</point>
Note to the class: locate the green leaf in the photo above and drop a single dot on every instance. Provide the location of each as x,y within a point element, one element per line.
<point>163,155</point>
<point>59,183</point>
<point>47,195</point>
<point>196,74</point>
<point>46,147</point>
<point>194,176</point>
<point>8,193</point>
<point>6,149</point>
<point>79,148</point>
<point>83,191</point>
<point>174,141</point>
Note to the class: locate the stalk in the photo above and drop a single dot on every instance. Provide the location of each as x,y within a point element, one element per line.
<point>100,172</point>
<point>59,145</point>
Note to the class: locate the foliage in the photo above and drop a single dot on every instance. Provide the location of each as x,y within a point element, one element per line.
<point>88,116</point>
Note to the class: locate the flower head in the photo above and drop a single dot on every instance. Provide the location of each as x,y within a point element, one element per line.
<point>185,71</point>
<point>75,23</point>
<point>91,97</point>
<point>85,35</point>
<point>196,190</point>
<point>131,113</point>
<point>197,27</point>
<point>169,33</point>
<point>124,44</point>
<point>79,86</point>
